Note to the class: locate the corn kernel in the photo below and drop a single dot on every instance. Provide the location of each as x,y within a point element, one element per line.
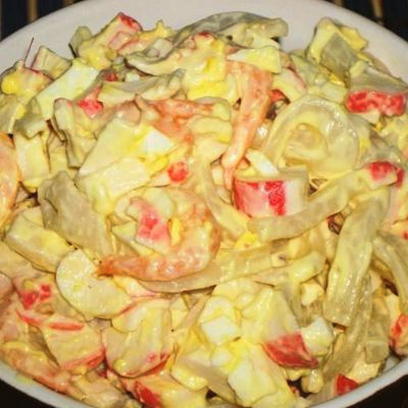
<point>176,229</point>
<point>119,365</point>
<point>156,164</point>
<point>20,112</point>
<point>10,83</point>
<point>247,240</point>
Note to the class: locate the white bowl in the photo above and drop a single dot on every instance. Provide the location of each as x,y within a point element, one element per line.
<point>56,29</point>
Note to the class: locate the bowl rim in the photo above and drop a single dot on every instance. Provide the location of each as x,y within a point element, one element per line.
<point>48,396</point>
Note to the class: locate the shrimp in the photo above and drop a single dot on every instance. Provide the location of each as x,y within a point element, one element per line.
<point>9,177</point>
<point>36,364</point>
<point>18,349</point>
<point>172,115</point>
<point>195,241</point>
<point>12,328</point>
<point>180,108</point>
<point>255,85</point>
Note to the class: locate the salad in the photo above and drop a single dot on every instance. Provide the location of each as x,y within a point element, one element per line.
<point>196,218</point>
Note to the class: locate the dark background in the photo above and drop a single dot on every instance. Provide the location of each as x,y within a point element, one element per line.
<point>393,14</point>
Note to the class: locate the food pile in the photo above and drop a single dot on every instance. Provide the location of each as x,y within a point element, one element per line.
<point>196,218</point>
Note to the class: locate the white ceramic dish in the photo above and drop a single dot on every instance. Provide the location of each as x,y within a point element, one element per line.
<point>56,29</point>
